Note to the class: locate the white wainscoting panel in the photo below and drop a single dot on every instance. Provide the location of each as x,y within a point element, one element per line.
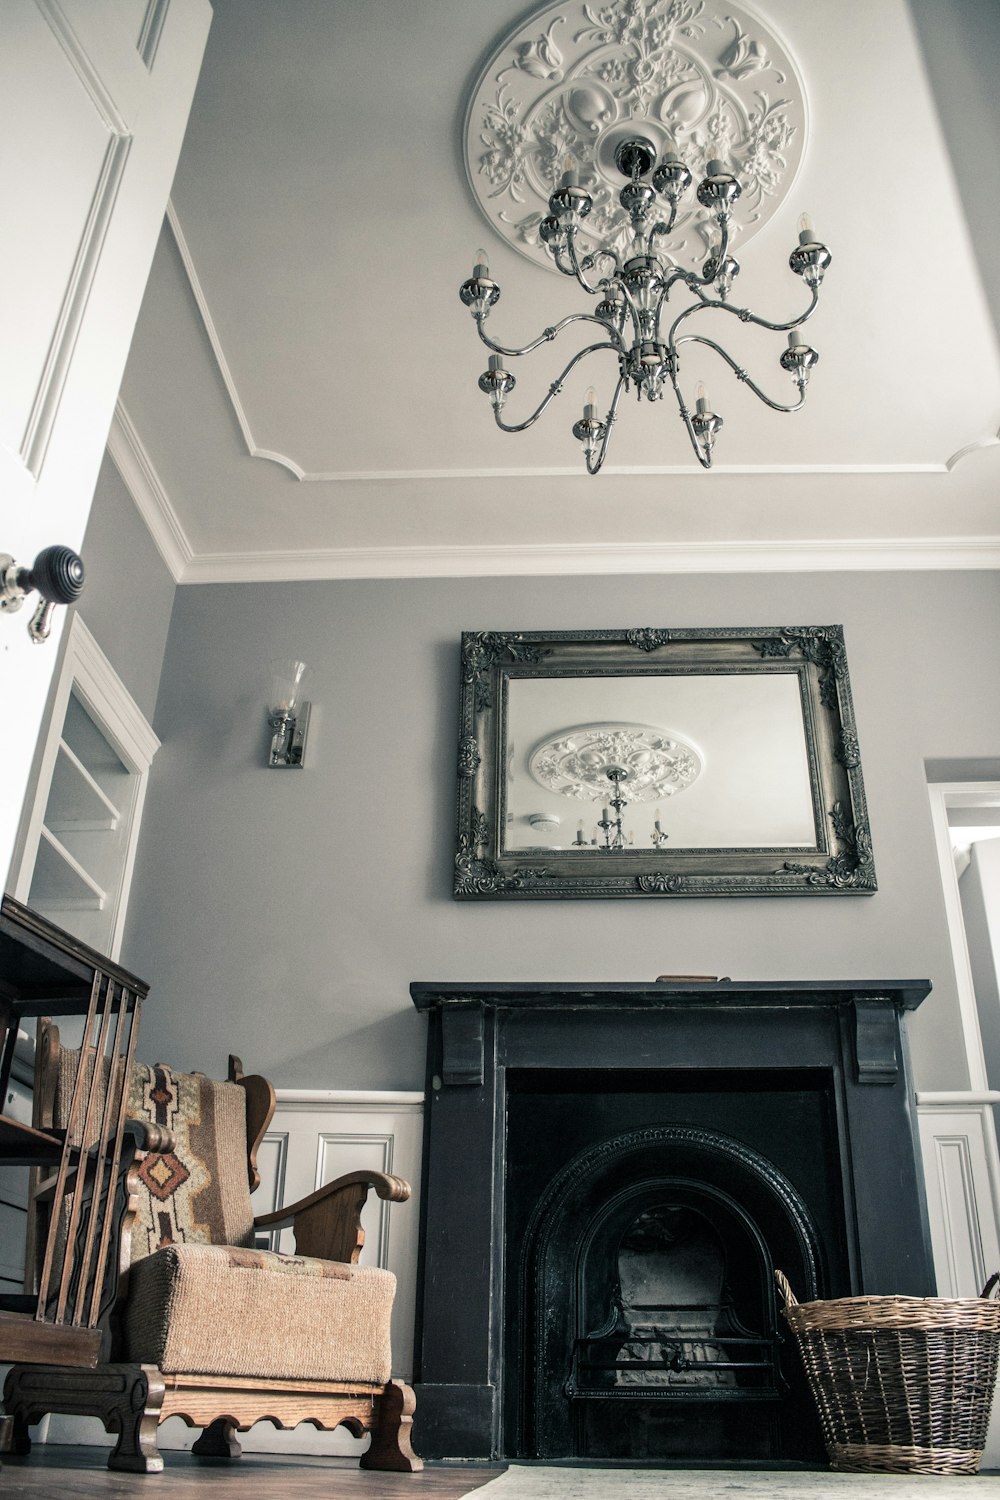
<point>958,1144</point>
<point>317,1135</point>
<point>954,1140</point>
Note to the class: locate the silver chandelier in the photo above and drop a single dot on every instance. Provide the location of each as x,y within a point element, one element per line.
<point>639,326</point>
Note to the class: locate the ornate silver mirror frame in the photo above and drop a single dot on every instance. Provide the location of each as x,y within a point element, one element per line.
<point>644,762</point>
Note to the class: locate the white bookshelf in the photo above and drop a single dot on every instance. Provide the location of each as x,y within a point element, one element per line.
<point>76,846</point>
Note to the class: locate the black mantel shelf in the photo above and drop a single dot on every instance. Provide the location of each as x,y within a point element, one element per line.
<point>904,994</point>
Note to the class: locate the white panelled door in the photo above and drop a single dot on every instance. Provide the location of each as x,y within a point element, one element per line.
<point>94,100</point>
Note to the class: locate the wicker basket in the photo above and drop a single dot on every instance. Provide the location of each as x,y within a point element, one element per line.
<point>903,1384</point>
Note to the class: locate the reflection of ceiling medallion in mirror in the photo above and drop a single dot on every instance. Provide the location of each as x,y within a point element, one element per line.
<point>577,80</point>
<point>575,762</point>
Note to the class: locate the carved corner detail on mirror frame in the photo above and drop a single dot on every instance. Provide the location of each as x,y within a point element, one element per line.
<point>722,761</point>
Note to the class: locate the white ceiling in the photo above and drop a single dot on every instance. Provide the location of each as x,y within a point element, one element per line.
<point>301,396</point>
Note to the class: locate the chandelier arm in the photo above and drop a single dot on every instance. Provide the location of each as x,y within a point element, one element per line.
<point>557,256</point>
<point>577,272</point>
<point>704,459</point>
<point>661,228</point>
<point>694,282</point>
<point>599,254</point>
<point>616,261</point>
<point>740,373</point>
<point>548,335</point>
<point>609,423</point>
<point>744,314</point>
<point>691,281</point>
<point>554,390</point>
<point>703,301</point>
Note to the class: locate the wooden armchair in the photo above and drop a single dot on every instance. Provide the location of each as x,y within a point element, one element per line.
<point>206,1326</point>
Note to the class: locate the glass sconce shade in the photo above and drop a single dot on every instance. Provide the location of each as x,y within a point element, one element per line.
<point>286,681</point>
<point>287,713</point>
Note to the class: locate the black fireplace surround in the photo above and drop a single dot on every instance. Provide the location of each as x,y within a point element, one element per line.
<point>612,1172</point>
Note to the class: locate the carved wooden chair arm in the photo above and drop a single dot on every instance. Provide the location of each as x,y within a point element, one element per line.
<point>327,1224</point>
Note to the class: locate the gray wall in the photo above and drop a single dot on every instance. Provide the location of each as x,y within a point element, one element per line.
<point>282,915</point>
<point>129,594</point>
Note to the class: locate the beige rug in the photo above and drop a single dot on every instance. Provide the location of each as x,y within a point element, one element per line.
<point>530,1482</point>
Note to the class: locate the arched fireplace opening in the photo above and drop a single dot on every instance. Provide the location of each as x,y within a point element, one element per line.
<point>650,1327</point>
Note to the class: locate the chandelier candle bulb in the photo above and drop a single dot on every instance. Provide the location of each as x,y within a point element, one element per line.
<point>571,174</point>
<point>496,363</point>
<point>807,234</point>
<point>702,406</point>
<point>590,405</point>
<point>716,168</point>
<point>481,269</point>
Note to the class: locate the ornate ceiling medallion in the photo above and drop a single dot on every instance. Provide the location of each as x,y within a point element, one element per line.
<point>578,80</point>
<point>655,763</point>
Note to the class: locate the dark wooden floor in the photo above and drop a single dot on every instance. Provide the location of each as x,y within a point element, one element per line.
<point>70,1473</point>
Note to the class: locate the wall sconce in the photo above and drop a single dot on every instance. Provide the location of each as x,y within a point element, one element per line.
<point>287,713</point>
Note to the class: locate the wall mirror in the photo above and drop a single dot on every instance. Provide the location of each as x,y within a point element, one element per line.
<point>697,762</point>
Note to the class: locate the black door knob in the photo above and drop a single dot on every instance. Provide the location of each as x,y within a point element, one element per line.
<point>57,573</point>
<point>58,576</point>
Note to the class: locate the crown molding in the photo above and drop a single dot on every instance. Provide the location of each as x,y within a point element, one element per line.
<point>151,499</point>
<point>886,555</point>
<point>891,554</point>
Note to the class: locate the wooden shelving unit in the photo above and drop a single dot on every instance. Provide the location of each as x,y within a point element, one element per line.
<point>23,1146</point>
<point>45,971</point>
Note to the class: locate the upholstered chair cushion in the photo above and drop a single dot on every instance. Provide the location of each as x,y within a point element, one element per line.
<point>199,1193</point>
<point>215,1310</point>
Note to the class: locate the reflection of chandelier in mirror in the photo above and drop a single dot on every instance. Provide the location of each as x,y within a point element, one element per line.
<point>618,839</point>
<point>641,82</point>
<point>591,761</point>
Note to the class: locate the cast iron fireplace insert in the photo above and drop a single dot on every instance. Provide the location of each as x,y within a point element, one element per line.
<point>611,1174</point>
